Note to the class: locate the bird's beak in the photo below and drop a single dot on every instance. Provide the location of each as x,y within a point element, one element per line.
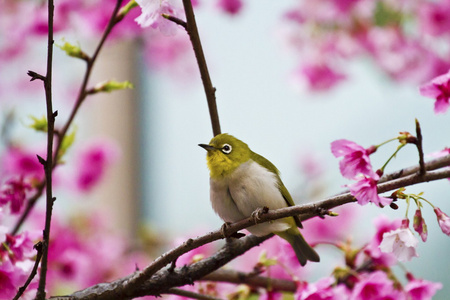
<point>207,147</point>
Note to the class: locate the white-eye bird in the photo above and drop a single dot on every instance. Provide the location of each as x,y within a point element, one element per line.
<point>242,181</point>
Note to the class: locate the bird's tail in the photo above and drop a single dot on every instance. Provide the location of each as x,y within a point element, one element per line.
<point>302,249</point>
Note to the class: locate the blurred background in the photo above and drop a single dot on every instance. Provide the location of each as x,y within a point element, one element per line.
<point>157,176</point>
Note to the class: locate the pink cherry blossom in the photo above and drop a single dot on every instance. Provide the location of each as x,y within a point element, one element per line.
<point>375,286</point>
<point>93,161</point>
<point>419,289</point>
<point>419,225</point>
<point>434,17</point>
<point>443,220</point>
<point>365,190</point>
<point>14,192</point>
<point>355,159</point>
<point>152,11</point>
<point>22,162</point>
<point>439,89</point>
<point>318,77</point>
<point>323,289</point>
<point>401,242</point>
<point>382,225</point>
<point>231,7</point>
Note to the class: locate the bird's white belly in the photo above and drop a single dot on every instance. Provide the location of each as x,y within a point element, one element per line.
<point>251,186</point>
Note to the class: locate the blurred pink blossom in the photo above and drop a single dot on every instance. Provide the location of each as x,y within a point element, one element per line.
<point>93,161</point>
<point>443,220</point>
<point>374,286</point>
<point>439,89</point>
<point>401,242</point>
<point>365,190</point>
<point>14,192</point>
<point>420,289</point>
<point>231,7</point>
<point>323,289</point>
<point>355,159</point>
<point>318,77</point>
<point>22,162</point>
<point>434,17</point>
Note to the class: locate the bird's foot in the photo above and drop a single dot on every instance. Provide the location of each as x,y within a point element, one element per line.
<point>227,236</point>
<point>256,215</point>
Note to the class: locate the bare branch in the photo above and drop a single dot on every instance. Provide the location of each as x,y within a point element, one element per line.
<point>210,90</point>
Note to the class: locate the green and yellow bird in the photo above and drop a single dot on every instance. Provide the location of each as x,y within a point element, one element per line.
<point>242,181</point>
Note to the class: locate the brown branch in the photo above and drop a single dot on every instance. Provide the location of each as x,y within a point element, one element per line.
<point>268,283</point>
<point>189,294</point>
<point>210,91</point>
<point>154,280</point>
<point>48,163</point>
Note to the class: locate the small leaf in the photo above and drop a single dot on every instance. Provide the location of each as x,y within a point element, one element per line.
<point>66,143</point>
<point>126,9</point>
<point>267,262</point>
<point>73,51</point>
<point>111,85</point>
<point>39,124</point>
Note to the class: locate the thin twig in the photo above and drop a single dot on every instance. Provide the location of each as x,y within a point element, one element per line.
<point>48,163</point>
<point>176,20</point>
<point>33,273</point>
<point>210,91</point>
<point>189,294</point>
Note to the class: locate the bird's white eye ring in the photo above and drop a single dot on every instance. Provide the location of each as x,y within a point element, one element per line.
<point>226,148</point>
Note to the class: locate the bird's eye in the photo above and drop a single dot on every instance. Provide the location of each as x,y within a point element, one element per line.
<point>226,149</point>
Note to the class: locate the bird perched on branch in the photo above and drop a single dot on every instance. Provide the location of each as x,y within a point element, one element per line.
<point>242,181</point>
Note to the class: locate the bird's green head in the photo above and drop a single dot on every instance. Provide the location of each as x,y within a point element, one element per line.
<point>225,154</point>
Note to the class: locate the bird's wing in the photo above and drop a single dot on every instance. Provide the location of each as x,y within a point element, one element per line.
<point>271,167</point>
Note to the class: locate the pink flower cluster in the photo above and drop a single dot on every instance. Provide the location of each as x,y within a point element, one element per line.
<point>398,36</point>
<point>368,274</point>
<point>16,263</point>
<point>355,164</point>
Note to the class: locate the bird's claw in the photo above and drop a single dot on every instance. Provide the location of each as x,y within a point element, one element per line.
<point>224,228</point>
<point>256,215</point>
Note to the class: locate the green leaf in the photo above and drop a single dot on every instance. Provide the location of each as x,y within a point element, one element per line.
<point>126,9</point>
<point>39,124</point>
<point>66,143</point>
<point>73,50</point>
<point>111,85</point>
<point>267,262</point>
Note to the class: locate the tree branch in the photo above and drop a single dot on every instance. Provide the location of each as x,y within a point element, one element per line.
<point>154,280</point>
<point>189,294</point>
<point>210,91</point>
<point>48,163</point>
